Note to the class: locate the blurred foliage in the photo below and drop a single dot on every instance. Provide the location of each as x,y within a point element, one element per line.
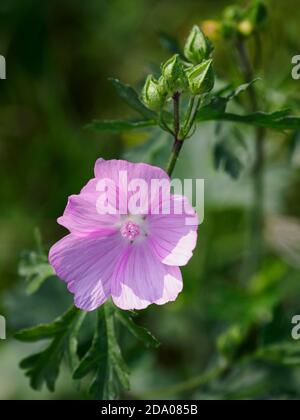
<point>227,336</point>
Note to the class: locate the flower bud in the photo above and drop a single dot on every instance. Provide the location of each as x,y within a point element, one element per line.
<point>245,28</point>
<point>211,28</point>
<point>197,47</point>
<point>153,95</point>
<point>201,78</point>
<point>173,75</point>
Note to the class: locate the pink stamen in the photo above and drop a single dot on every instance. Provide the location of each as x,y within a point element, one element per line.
<point>130,230</point>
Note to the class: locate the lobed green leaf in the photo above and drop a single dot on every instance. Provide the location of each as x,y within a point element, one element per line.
<point>130,96</point>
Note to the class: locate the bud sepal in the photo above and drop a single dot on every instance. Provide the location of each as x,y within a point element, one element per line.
<point>173,75</point>
<point>201,78</point>
<point>198,47</point>
<point>153,94</point>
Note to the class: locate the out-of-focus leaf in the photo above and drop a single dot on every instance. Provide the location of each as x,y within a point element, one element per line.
<point>283,236</point>
<point>155,150</point>
<point>229,342</point>
<point>119,126</point>
<point>286,353</point>
<point>44,366</point>
<point>130,96</point>
<point>294,147</point>
<point>35,269</point>
<point>257,12</point>
<point>224,158</point>
<point>104,359</point>
<point>170,43</point>
<point>141,333</point>
<point>229,150</point>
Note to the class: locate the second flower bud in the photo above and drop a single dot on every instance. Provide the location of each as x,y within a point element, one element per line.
<point>201,78</point>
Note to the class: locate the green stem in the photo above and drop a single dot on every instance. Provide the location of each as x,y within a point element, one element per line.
<point>178,143</point>
<point>257,213</point>
<point>189,113</point>
<point>163,124</point>
<point>190,384</point>
<point>193,116</point>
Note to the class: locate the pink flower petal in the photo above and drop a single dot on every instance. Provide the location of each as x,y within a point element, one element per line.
<point>132,257</point>
<point>115,170</point>
<point>81,216</point>
<point>172,237</point>
<point>87,265</point>
<point>111,168</point>
<point>141,279</point>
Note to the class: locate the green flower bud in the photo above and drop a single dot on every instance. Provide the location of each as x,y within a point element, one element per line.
<point>173,75</point>
<point>197,47</point>
<point>245,28</point>
<point>201,78</point>
<point>153,94</point>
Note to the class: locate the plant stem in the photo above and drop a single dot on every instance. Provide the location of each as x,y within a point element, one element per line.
<point>257,213</point>
<point>190,384</point>
<point>177,141</point>
<point>174,156</point>
<point>189,113</point>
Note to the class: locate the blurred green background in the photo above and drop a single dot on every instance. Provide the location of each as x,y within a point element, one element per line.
<point>59,56</point>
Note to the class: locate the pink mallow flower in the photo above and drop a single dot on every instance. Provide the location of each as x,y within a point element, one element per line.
<point>134,259</point>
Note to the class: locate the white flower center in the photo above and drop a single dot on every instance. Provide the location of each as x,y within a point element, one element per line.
<point>133,228</point>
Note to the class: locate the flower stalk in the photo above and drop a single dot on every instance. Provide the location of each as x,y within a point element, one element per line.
<point>178,142</point>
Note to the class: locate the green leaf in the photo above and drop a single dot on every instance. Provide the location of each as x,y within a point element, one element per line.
<point>141,333</point>
<point>285,353</point>
<point>119,126</point>
<point>240,89</point>
<point>226,159</point>
<point>276,120</point>
<point>218,104</point>
<point>34,266</point>
<point>130,96</point>
<point>215,110</point>
<point>104,359</point>
<point>35,269</point>
<point>45,331</point>
<point>229,149</point>
<point>44,366</point>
